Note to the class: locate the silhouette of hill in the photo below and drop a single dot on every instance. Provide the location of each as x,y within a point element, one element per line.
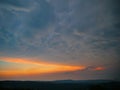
<point>61,85</point>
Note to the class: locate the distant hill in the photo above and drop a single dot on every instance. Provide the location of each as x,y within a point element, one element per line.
<point>84,81</point>
<point>61,85</point>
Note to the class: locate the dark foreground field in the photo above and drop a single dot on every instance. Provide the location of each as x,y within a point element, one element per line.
<point>60,85</point>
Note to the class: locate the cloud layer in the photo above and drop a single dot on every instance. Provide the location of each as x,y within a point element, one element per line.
<point>75,32</point>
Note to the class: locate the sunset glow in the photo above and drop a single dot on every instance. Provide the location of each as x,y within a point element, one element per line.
<point>99,68</point>
<point>59,39</point>
<point>31,67</point>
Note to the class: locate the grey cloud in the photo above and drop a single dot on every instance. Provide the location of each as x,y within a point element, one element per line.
<point>74,30</point>
<point>90,45</point>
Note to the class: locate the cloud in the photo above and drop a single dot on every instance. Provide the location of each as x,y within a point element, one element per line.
<point>23,67</point>
<point>71,31</point>
<point>17,25</point>
<point>99,68</point>
<point>13,8</point>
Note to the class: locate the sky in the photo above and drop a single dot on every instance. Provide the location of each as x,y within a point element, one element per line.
<point>59,39</point>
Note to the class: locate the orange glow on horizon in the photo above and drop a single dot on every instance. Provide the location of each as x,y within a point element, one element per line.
<point>99,68</point>
<point>30,67</point>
